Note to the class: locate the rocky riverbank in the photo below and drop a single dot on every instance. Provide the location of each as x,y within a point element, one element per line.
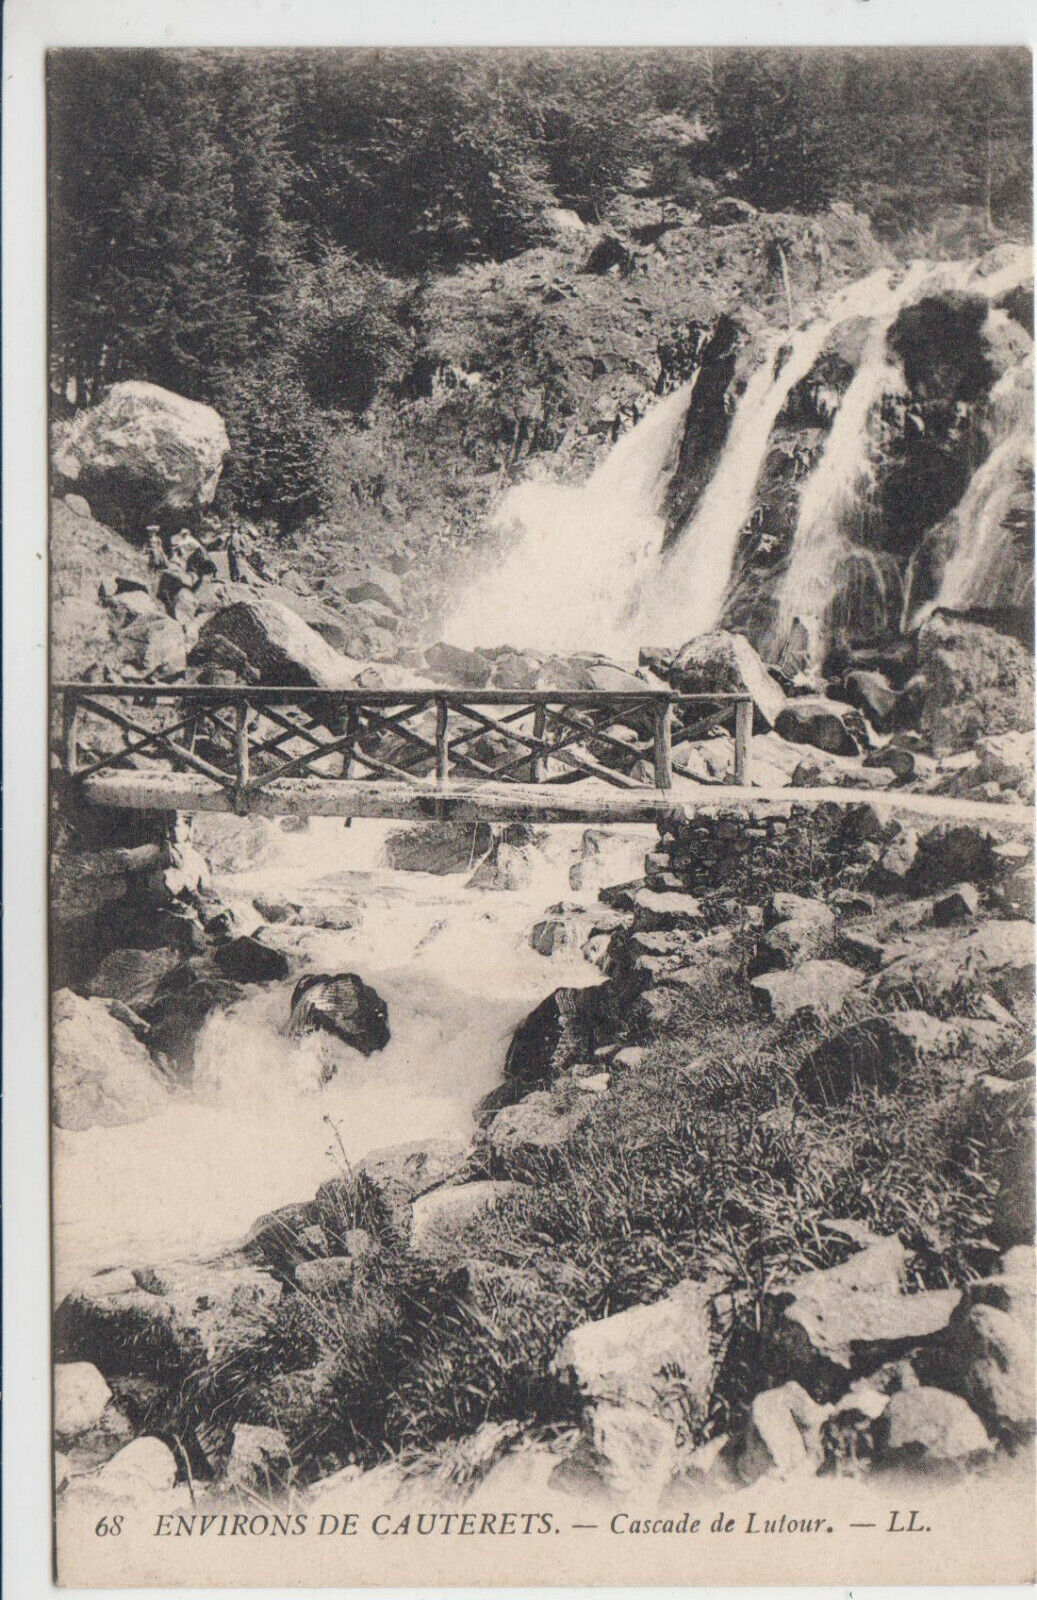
<point>756,1203</point>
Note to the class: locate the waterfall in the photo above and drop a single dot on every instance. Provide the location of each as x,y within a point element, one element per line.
<point>979,561</point>
<point>821,551</point>
<point>687,594</point>
<point>586,567</point>
<point>579,554</point>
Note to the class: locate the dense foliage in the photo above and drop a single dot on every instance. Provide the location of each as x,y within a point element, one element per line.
<point>216,213</point>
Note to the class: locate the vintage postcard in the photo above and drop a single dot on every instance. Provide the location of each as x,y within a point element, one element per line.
<point>541,783</point>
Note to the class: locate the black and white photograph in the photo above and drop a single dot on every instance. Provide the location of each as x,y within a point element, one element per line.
<point>541,814</point>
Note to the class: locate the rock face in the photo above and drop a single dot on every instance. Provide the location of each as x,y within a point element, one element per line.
<point>726,663</point>
<point>342,1004</point>
<point>979,683</point>
<point>278,645</point>
<point>101,1075</point>
<point>144,451</point>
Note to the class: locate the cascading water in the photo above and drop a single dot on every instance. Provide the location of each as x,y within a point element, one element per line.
<point>572,577</point>
<point>588,569</point>
<point>261,1124</point>
<point>686,594</point>
<point>980,568</point>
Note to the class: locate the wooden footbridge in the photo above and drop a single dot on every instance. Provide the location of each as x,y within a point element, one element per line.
<point>423,753</point>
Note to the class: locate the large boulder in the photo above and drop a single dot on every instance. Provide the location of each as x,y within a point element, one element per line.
<point>826,1326</point>
<point>344,1005</point>
<point>179,1012</point>
<point>726,663</point>
<point>165,1322</point>
<point>565,1028</point>
<point>817,722</point>
<point>949,967</point>
<point>278,645</point>
<point>133,976</point>
<point>931,1431</point>
<point>143,452</point>
<point>812,992</point>
<point>658,1356</point>
<point>101,1075</point>
<point>249,960</point>
<point>979,683</point>
<point>440,1217</point>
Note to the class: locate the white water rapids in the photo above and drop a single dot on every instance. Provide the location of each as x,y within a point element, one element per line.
<point>258,1129</point>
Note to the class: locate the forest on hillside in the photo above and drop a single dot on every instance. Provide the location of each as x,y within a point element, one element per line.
<point>254,229</point>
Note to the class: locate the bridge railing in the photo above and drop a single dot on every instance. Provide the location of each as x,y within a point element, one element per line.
<point>245,738</point>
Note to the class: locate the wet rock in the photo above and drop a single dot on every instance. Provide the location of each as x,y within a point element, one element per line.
<point>147,1466</point>
<point>180,1011</point>
<point>929,1430</point>
<point>726,663</point>
<point>249,960</point>
<point>438,847</point>
<point>655,1356</point>
<point>782,1436</point>
<point>440,1217</point>
<point>1012,1222</point>
<point>565,1028</point>
<point>142,451</point>
<point>535,1125</point>
<point>101,1075</point>
<point>80,1397</point>
<point>284,1237</point>
<point>960,904</point>
<point>133,976</point>
<point>813,992</point>
<point>380,586</point>
<point>344,1005</point>
<point>949,967</point>
<point>561,931</point>
<point>875,1054</point>
<point>825,1326</point>
<point>508,867</point>
<point>873,694</point>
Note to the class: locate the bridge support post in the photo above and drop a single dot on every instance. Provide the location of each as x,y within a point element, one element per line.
<point>743,737</point>
<point>663,742</point>
<point>442,744</point>
<point>539,729</point>
<point>70,733</point>
<point>242,713</point>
